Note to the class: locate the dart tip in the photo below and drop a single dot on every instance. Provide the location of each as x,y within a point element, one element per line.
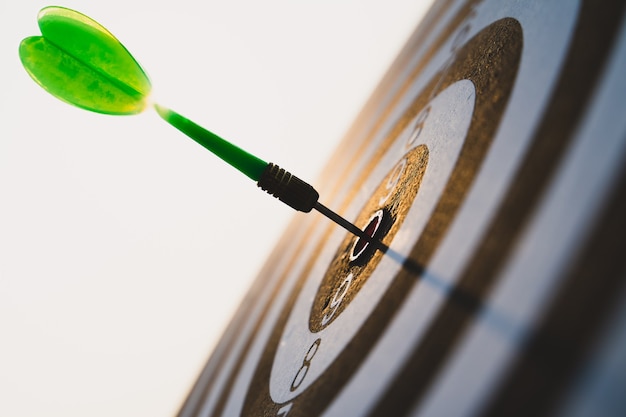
<point>350,227</point>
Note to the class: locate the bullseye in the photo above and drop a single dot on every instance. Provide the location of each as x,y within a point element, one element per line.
<point>362,249</point>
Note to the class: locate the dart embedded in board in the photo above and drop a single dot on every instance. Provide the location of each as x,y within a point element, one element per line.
<point>80,62</point>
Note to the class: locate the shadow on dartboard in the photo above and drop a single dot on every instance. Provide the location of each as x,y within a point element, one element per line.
<point>490,161</point>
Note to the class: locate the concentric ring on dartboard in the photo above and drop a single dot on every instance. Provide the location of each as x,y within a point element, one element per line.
<point>393,196</point>
<point>331,311</point>
<point>543,369</point>
<point>558,99</point>
<point>489,61</point>
<point>377,227</point>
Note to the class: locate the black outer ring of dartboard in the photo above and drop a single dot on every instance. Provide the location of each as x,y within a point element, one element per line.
<point>594,35</point>
<point>490,61</point>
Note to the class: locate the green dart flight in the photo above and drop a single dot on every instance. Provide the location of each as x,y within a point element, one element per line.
<point>80,62</point>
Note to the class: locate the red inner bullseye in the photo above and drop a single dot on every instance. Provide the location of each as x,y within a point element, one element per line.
<point>370,230</point>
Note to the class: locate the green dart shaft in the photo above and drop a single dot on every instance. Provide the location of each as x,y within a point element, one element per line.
<point>245,162</point>
<point>270,177</point>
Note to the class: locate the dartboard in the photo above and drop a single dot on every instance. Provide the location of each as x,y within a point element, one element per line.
<point>490,160</point>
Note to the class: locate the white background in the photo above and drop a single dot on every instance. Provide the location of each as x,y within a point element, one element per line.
<point>124,246</point>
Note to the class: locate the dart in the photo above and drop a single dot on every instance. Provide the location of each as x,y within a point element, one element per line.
<point>80,62</point>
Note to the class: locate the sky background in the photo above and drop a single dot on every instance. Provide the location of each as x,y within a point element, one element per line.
<point>124,246</point>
